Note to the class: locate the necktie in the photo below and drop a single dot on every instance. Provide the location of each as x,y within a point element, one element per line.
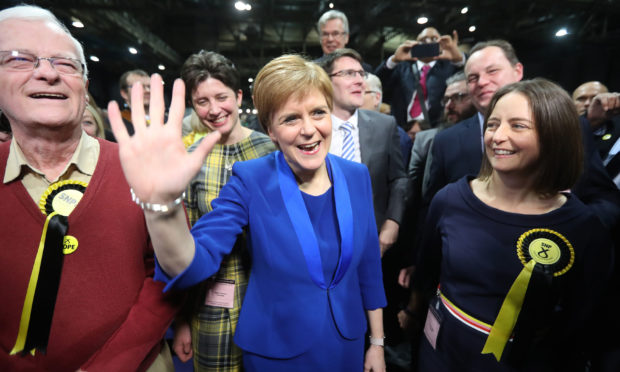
<point>348,146</point>
<point>416,109</point>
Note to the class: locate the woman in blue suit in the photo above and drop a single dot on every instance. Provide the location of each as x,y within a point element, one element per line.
<point>315,280</point>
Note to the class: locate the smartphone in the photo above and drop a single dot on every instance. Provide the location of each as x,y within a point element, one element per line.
<point>425,50</point>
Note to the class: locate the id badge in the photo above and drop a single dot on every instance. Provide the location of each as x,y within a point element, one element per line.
<point>220,293</point>
<point>433,323</point>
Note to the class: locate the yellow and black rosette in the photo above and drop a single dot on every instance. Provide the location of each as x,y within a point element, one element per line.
<point>57,202</point>
<point>545,254</point>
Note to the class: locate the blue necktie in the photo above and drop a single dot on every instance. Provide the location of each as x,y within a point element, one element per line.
<point>348,145</point>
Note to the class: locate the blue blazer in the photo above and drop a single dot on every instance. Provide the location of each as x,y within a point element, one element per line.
<point>284,309</point>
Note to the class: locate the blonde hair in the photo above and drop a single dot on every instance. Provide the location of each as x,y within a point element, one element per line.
<point>286,77</point>
<point>98,120</point>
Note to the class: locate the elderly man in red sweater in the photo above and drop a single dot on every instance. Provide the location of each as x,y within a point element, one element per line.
<point>77,289</point>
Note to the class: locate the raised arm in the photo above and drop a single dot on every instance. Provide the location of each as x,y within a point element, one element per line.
<point>158,169</point>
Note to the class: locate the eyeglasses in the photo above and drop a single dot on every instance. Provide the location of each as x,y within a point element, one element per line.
<point>14,60</point>
<point>456,98</point>
<point>333,34</point>
<point>350,74</point>
<point>428,39</point>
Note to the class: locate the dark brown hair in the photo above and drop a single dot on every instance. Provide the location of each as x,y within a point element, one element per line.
<point>506,47</point>
<point>203,65</point>
<point>327,62</point>
<point>560,161</point>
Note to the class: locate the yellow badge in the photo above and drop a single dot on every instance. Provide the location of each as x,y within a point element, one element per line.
<point>606,137</point>
<point>69,244</point>
<point>62,197</point>
<point>547,248</point>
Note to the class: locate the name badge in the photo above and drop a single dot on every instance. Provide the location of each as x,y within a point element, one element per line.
<point>432,325</point>
<point>220,293</point>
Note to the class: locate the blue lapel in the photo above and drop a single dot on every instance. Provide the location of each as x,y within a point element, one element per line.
<point>296,209</point>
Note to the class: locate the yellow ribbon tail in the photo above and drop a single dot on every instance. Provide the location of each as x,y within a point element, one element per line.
<point>32,286</point>
<point>508,314</point>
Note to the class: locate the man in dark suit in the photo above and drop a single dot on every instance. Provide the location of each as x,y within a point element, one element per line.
<point>404,77</point>
<point>458,151</point>
<point>370,138</point>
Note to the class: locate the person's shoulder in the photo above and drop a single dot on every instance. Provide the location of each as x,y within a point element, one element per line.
<point>255,166</point>
<point>426,134</point>
<point>458,129</point>
<point>376,117</point>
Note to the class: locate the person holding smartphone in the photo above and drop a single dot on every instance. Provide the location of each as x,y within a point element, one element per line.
<point>420,68</point>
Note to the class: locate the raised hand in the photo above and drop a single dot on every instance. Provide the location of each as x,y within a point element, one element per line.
<point>449,48</point>
<point>403,52</point>
<point>154,160</point>
<point>604,106</point>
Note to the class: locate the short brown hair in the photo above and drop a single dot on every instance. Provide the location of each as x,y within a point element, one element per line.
<point>285,77</point>
<point>123,80</point>
<point>327,62</point>
<point>506,47</point>
<point>203,65</point>
<point>560,161</point>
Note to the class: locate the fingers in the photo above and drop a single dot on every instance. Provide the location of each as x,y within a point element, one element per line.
<point>116,123</point>
<point>455,37</point>
<point>157,107</point>
<point>197,157</point>
<point>403,278</point>
<point>138,116</point>
<point>177,106</point>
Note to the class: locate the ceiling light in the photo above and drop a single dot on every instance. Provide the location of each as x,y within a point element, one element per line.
<point>472,28</point>
<point>255,111</point>
<point>250,80</point>
<point>76,23</point>
<point>331,5</point>
<point>94,58</point>
<point>247,111</point>
<point>133,50</point>
<point>561,32</point>
<point>240,6</point>
<point>161,67</point>
<point>464,10</point>
<point>241,111</point>
<point>248,7</point>
<point>422,20</point>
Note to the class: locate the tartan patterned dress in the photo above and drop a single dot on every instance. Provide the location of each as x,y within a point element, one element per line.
<point>213,327</point>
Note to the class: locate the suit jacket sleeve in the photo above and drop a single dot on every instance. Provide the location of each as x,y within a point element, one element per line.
<point>387,77</point>
<point>397,178</point>
<point>369,269</point>
<point>133,346</point>
<point>214,234</point>
<point>436,178</point>
<point>595,188</point>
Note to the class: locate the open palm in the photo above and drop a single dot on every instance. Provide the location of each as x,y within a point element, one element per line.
<point>154,160</point>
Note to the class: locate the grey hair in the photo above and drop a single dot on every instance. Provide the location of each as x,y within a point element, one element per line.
<point>374,83</point>
<point>35,13</point>
<point>459,76</point>
<point>333,14</point>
